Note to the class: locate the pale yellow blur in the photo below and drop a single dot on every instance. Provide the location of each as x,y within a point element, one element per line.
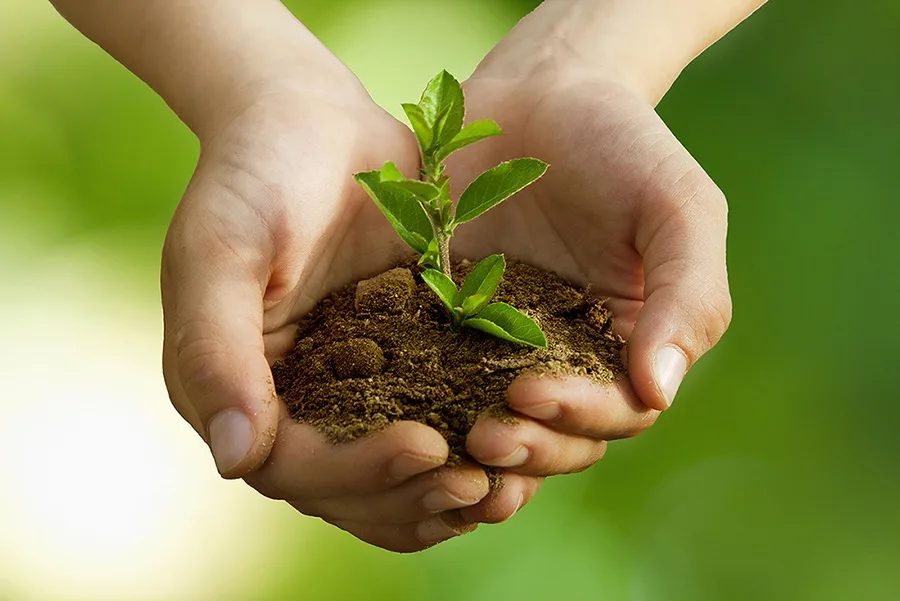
<point>106,494</point>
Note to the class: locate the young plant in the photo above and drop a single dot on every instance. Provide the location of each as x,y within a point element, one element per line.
<point>422,212</point>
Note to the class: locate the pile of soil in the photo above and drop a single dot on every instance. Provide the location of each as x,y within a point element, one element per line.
<point>382,351</point>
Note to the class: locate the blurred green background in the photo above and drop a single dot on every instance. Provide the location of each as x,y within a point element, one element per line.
<point>775,477</point>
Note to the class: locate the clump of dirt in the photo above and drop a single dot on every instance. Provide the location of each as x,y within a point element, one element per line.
<point>382,351</point>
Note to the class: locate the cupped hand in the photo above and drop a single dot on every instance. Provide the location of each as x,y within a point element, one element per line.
<point>271,222</point>
<point>623,208</point>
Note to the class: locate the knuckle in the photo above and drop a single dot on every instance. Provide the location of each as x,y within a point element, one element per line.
<point>196,358</point>
<point>717,310</point>
<point>205,360</point>
<point>713,196</point>
<point>695,189</point>
<point>167,267</point>
<point>675,203</point>
<point>673,182</point>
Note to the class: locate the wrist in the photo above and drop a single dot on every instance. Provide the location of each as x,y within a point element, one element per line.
<point>642,45</point>
<point>210,58</point>
<point>288,81</point>
<point>264,63</point>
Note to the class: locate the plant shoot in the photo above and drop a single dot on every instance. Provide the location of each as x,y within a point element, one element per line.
<point>423,213</point>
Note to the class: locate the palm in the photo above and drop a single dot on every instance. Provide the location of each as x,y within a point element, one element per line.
<point>582,219</point>
<point>269,225</point>
<point>272,193</point>
<point>273,222</point>
<point>324,229</point>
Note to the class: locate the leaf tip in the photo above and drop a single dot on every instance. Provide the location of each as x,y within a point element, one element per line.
<point>390,173</point>
<point>447,74</point>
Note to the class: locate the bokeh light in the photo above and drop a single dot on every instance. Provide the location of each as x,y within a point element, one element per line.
<point>105,495</point>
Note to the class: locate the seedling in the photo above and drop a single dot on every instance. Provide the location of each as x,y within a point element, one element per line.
<point>422,212</point>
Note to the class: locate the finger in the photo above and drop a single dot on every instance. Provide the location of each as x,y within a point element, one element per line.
<point>530,448</point>
<point>215,364</point>
<point>415,500</point>
<point>304,465</point>
<point>409,538</point>
<point>687,305</point>
<point>504,500</point>
<point>580,407</point>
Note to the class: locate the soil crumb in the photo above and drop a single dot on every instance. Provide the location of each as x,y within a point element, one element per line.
<point>382,351</point>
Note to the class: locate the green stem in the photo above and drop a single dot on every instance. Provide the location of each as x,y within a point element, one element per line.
<point>438,224</point>
<point>431,170</point>
<point>443,241</point>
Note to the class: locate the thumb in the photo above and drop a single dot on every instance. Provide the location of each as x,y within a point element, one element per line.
<point>214,356</point>
<point>687,305</point>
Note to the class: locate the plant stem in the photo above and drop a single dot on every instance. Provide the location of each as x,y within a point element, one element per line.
<point>443,241</point>
<point>433,174</point>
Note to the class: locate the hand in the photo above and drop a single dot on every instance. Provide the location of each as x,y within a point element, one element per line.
<point>623,208</point>
<point>271,222</point>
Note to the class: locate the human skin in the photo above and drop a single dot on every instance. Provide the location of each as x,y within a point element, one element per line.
<point>272,221</point>
<point>624,208</point>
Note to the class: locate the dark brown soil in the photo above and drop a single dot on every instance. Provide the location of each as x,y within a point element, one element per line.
<point>382,351</point>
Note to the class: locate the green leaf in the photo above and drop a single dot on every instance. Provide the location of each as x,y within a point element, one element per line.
<point>419,124</point>
<point>507,322</point>
<point>443,108</point>
<point>423,191</point>
<point>390,173</point>
<point>442,286</point>
<point>473,132</point>
<point>482,281</point>
<point>473,304</point>
<point>401,208</point>
<point>431,257</point>
<point>496,185</point>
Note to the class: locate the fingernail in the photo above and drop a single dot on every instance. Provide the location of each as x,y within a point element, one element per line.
<point>406,465</point>
<point>544,411</point>
<point>669,367</point>
<point>435,530</point>
<point>514,459</point>
<point>231,436</point>
<point>441,500</point>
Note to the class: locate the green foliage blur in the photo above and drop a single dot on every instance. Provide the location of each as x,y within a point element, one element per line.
<point>774,477</point>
